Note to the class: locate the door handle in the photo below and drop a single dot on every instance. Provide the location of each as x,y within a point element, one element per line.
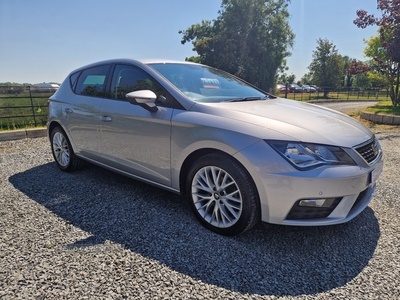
<point>106,118</point>
<point>68,111</point>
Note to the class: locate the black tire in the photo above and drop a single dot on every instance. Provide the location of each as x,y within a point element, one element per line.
<point>222,195</point>
<point>62,151</point>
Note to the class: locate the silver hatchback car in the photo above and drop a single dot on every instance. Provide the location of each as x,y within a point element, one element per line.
<point>238,154</point>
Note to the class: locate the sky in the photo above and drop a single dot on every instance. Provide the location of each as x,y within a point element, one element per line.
<point>44,40</point>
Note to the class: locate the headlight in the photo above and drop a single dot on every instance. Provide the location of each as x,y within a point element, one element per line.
<point>307,156</point>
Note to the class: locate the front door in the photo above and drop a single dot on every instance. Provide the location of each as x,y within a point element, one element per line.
<point>134,139</point>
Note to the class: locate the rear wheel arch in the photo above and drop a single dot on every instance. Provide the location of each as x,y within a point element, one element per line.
<point>62,149</point>
<point>51,127</point>
<point>55,124</point>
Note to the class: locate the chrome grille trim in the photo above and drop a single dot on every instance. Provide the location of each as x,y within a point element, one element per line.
<point>369,151</point>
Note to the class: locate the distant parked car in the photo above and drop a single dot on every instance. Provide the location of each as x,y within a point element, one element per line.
<point>282,88</point>
<point>238,154</point>
<point>308,88</point>
<point>317,88</point>
<point>295,88</point>
<point>45,87</point>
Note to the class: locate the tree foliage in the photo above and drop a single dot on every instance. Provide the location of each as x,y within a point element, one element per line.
<point>354,68</point>
<point>284,78</point>
<point>327,66</point>
<point>376,79</point>
<point>384,49</point>
<point>307,78</point>
<point>249,39</point>
<point>361,81</point>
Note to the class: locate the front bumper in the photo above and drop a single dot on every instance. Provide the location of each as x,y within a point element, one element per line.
<point>281,188</point>
<point>353,193</point>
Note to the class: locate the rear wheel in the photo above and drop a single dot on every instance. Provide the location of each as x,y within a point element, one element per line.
<point>62,151</point>
<point>222,195</point>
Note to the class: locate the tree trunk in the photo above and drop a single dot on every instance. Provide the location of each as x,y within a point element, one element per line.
<point>396,98</point>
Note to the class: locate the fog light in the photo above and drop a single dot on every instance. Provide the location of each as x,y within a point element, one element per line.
<point>317,202</point>
<point>313,208</point>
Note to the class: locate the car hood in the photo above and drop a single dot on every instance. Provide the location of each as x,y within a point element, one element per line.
<point>299,121</point>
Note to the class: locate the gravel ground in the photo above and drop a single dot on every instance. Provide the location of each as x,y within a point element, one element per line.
<point>93,234</point>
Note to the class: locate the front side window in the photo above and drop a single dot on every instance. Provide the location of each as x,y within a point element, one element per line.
<point>92,82</point>
<point>128,79</point>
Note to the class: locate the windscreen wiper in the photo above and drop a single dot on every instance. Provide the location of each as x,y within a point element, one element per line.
<point>248,99</point>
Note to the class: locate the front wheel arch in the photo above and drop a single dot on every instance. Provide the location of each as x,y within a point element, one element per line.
<point>250,208</point>
<point>189,161</point>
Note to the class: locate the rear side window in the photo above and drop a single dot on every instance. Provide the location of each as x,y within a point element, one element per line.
<point>92,82</point>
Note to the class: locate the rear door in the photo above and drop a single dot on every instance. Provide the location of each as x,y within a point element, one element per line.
<point>82,118</point>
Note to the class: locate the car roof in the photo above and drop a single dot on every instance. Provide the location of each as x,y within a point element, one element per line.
<point>165,61</point>
<point>146,61</point>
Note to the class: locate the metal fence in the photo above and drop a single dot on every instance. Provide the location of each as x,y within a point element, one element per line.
<point>26,106</point>
<point>338,94</point>
<point>23,106</point>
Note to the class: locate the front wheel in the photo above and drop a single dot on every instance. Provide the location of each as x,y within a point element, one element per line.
<point>62,151</point>
<point>222,194</point>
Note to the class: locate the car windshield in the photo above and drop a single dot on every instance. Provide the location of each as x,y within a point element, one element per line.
<point>204,84</point>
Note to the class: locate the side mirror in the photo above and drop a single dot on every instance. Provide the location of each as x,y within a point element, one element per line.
<point>144,98</point>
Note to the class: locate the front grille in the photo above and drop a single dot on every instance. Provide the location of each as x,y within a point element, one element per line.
<point>369,151</point>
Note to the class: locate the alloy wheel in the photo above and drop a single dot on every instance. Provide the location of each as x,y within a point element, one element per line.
<point>216,196</point>
<point>61,149</point>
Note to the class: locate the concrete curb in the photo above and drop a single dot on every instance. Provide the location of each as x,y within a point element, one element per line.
<point>381,119</point>
<point>22,134</point>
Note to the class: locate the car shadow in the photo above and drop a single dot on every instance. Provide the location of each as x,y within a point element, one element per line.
<point>268,260</point>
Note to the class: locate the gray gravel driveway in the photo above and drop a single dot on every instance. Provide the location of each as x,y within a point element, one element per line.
<point>93,234</point>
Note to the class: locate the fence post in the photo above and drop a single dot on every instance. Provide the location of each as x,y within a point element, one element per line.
<point>286,89</point>
<point>33,109</point>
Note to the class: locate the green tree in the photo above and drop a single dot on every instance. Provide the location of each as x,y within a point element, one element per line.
<point>307,78</point>
<point>249,39</point>
<point>326,66</point>
<point>383,66</point>
<point>384,48</point>
<point>376,79</point>
<point>361,81</point>
<point>352,67</point>
<point>284,78</point>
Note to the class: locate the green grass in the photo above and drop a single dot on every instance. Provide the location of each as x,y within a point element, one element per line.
<point>384,107</point>
<point>16,111</point>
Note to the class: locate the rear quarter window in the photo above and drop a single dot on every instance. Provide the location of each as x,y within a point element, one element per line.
<point>73,79</point>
